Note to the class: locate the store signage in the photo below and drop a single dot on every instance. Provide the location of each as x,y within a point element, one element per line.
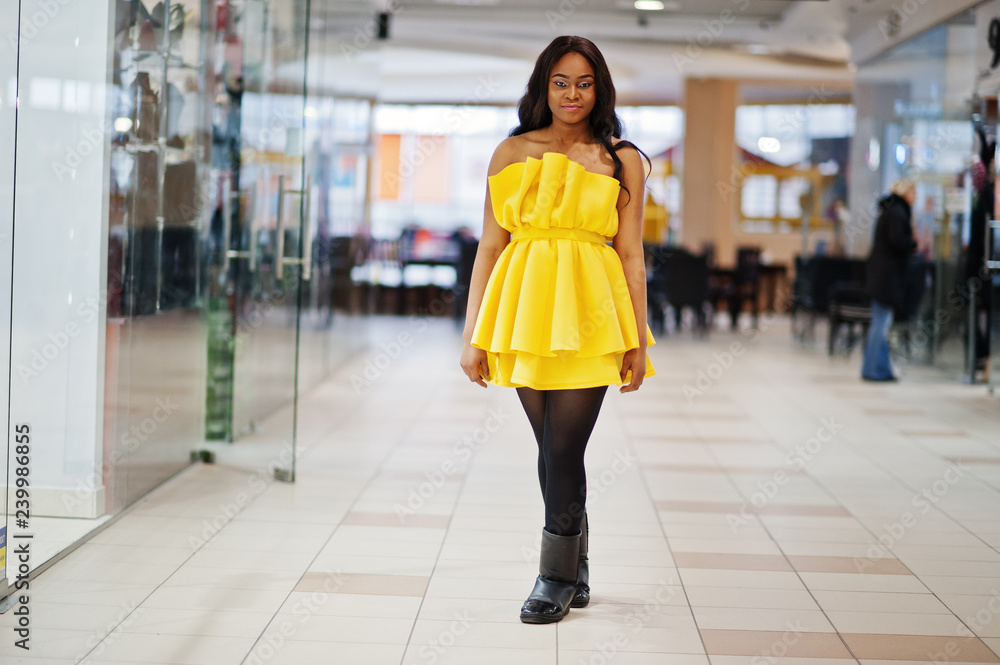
<point>988,47</point>
<point>3,550</point>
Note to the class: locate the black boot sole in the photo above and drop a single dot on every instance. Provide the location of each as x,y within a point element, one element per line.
<point>543,618</point>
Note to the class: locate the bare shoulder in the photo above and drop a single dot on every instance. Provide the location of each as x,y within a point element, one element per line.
<point>631,159</point>
<point>510,151</point>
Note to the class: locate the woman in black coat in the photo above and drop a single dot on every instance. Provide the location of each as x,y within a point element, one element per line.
<point>892,246</point>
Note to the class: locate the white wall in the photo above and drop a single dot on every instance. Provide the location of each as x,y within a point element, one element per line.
<point>60,253</point>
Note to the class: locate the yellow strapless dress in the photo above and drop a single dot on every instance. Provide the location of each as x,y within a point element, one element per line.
<point>557,312</point>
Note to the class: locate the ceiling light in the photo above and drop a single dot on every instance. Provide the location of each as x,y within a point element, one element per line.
<point>769,144</point>
<point>649,5</point>
<point>757,49</point>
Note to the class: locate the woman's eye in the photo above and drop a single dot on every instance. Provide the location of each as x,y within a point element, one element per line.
<point>560,84</point>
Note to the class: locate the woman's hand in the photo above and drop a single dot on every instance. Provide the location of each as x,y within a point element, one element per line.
<point>634,360</point>
<point>475,364</point>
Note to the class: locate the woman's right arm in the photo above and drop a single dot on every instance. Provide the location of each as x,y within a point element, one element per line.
<point>492,243</point>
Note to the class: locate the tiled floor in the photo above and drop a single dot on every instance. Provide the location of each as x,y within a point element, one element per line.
<point>748,507</point>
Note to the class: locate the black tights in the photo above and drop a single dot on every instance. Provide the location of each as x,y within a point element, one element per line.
<point>562,421</point>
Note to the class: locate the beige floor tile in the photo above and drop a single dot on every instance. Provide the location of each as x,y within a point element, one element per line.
<point>349,604</point>
<point>723,618</point>
<point>768,644</point>
<point>769,562</point>
<point>631,637</point>
<point>301,652</point>
<point>894,623</point>
<point>574,656</point>
<point>836,564</point>
<point>213,599</point>
<point>788,599</point>
<point>747,579</point>
<point>138,648</point>
<point>373,565</point>
<point>462,632</point>
<point>472,609</point>
<point>919,647</point>
<point>776,660</point>
<point>376,585</point>
<point>319,628</point>
<point>725,545</point>
<point>871,601</point>
<point>456,655</point>
<point>163,621</point>
<point>233,578</point>
<point>397,519</point>
<point>854,582</point>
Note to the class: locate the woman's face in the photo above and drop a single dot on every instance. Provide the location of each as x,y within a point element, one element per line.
<point>571,89</point>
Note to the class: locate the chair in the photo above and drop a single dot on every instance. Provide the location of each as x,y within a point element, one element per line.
<point>687,287</point>
<point>746,284</point>
<point>849,306</point>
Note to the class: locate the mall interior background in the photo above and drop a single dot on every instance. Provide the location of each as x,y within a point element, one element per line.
<point>206,202</point>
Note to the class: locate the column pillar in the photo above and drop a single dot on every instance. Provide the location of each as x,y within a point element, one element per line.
<point>711,187</point>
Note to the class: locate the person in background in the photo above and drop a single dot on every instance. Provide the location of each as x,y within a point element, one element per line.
<point>892,246</point>
<point>975,256</point>
<point>925,228</point>
<point>468,245</point>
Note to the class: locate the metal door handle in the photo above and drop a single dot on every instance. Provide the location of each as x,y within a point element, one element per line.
<point>227,225</point>
<point>306,260</point>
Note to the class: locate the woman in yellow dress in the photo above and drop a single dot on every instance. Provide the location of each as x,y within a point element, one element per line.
<point>554,311</point>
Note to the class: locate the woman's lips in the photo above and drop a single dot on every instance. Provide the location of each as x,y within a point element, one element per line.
<point>572,107</point>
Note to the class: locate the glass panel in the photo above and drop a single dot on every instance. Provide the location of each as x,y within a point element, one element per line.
<point>264,77</point>
<point>9,12</point>
<point>158,224</point>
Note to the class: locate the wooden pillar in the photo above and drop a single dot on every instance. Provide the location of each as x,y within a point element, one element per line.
<point>711,184</point>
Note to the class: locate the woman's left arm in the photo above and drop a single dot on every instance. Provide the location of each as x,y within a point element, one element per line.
<point>628,244</point>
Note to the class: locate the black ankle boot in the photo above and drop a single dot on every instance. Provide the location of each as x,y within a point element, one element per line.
<point>555,585</point>
<point>582,597</point>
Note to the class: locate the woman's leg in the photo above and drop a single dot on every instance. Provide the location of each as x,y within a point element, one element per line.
<point>569,419</point>
<point>533,402</point>
<point>876,366</point>
<point>570,416</point>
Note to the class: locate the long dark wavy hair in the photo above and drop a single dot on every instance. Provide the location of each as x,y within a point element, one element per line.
<point>533,110</point>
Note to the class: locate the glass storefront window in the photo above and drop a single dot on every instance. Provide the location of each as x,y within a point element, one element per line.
<point>915,104</point>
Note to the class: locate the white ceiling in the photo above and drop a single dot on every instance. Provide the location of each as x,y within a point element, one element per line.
<point>482,51</point>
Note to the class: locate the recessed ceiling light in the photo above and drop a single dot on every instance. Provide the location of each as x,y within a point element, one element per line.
<point>649,5</point>
<point>757,49</point>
